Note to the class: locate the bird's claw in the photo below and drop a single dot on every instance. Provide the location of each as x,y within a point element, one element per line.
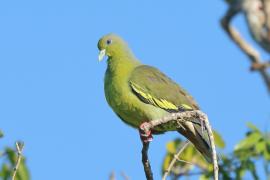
<point>145,133</point>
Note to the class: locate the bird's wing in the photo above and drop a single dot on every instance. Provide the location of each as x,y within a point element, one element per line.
<point>153,87</point>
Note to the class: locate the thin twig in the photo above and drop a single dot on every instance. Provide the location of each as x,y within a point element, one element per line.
<point>253,55</point>
<point>19,147</point>
<point>212,144</point>
<point>146,162</point>
<point>184,161</point>
<point>181,149</point>
<point>178,119</point>
<point>124,176</point>
<point>112,176</point>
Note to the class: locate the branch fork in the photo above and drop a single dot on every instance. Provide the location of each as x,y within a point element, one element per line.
<point>179,118</point>
<point>254,56</point>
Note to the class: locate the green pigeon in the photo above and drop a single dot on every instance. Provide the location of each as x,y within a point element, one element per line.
<point>139,93</point>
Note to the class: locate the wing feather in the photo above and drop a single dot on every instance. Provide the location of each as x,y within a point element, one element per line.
<point>153,87</point>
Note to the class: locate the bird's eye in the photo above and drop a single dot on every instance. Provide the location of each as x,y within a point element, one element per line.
<point>109,41</point>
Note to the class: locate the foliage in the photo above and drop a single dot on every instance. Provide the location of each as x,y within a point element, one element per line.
<point>247,154</point>
<point>8,161</point>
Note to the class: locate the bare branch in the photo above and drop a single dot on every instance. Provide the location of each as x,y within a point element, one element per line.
<point>266,10</point>
<point>254,56</point>
<point>212,144</point>
<point>181,149</point>
<point>146,162</point>
<point>179,118</point>
<point>184,161</point>
<point>19,147</point>
<point>261,66</point>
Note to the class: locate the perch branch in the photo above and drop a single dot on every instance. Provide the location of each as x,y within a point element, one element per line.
<point>253,55</point>
<point>181,149</point>
<point>179,118</point>
<point>19,147</point>
<point>146,162</point>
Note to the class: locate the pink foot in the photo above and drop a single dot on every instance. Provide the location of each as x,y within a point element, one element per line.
<point>145,133</point>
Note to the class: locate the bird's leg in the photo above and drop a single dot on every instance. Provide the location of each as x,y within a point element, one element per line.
<point>146,138</point>
<point>145,132</point>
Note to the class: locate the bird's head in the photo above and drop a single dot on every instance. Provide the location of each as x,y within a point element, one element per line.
<point>111,45</point>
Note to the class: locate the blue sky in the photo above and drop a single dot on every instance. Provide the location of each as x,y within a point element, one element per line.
<point>51,93</point>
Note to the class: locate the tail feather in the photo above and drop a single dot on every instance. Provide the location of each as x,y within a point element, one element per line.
<point>194,134</point>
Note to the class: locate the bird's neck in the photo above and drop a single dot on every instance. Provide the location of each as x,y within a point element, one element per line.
<point>122,65</point>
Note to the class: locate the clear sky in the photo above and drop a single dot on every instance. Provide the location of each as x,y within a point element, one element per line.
<point>51,83</point>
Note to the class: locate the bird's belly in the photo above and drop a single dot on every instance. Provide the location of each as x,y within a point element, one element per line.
<point>127,108</point>
<point>133,111</point>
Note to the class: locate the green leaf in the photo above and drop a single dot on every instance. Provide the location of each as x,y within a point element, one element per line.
<point>173,145</point>
<point>5,172</point>
<point>1,134</point>
<point>204,177</point>
<point>240,172</point>
<point>218,140</point>
<point>11,155</point>
<point>22,172</point>
<point>266,152</point>
<point>260,146</point>
<point>253,127</point>
<point>249,141</point>
<point>252,169</point>
<point>166,162</point>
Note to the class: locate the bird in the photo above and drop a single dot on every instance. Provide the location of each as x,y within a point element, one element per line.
<point>139,93</point>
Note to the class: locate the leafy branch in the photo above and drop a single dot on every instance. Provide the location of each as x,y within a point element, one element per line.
<point>13,166</point>
<point>19,147</point>
<point>181,149</point>
<point>253,148</point>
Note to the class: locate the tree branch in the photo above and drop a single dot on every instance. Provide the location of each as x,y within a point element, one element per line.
<point>253,55</point>
<point>181,149</point>
<point>19,147</point>
<point>179,118</point>
<point>146,162</point>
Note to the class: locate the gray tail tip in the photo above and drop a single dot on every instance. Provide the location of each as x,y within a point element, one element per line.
<point>209,158</point>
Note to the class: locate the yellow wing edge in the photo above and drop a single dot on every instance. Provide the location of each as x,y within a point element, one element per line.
<point>161,103</point>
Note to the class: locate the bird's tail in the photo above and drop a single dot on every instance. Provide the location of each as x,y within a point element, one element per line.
<point>198,137</point>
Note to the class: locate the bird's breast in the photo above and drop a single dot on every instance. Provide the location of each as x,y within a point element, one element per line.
<point>126,104</point>
<point>121,99</point>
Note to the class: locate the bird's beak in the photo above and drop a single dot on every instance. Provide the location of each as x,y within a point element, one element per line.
<point>101,54</point>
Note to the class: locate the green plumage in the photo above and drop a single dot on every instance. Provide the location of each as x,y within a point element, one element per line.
<point>153,82</point>
<point>139,93</point>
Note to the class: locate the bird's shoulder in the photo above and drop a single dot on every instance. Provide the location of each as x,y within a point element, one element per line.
<point>154,87</point>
